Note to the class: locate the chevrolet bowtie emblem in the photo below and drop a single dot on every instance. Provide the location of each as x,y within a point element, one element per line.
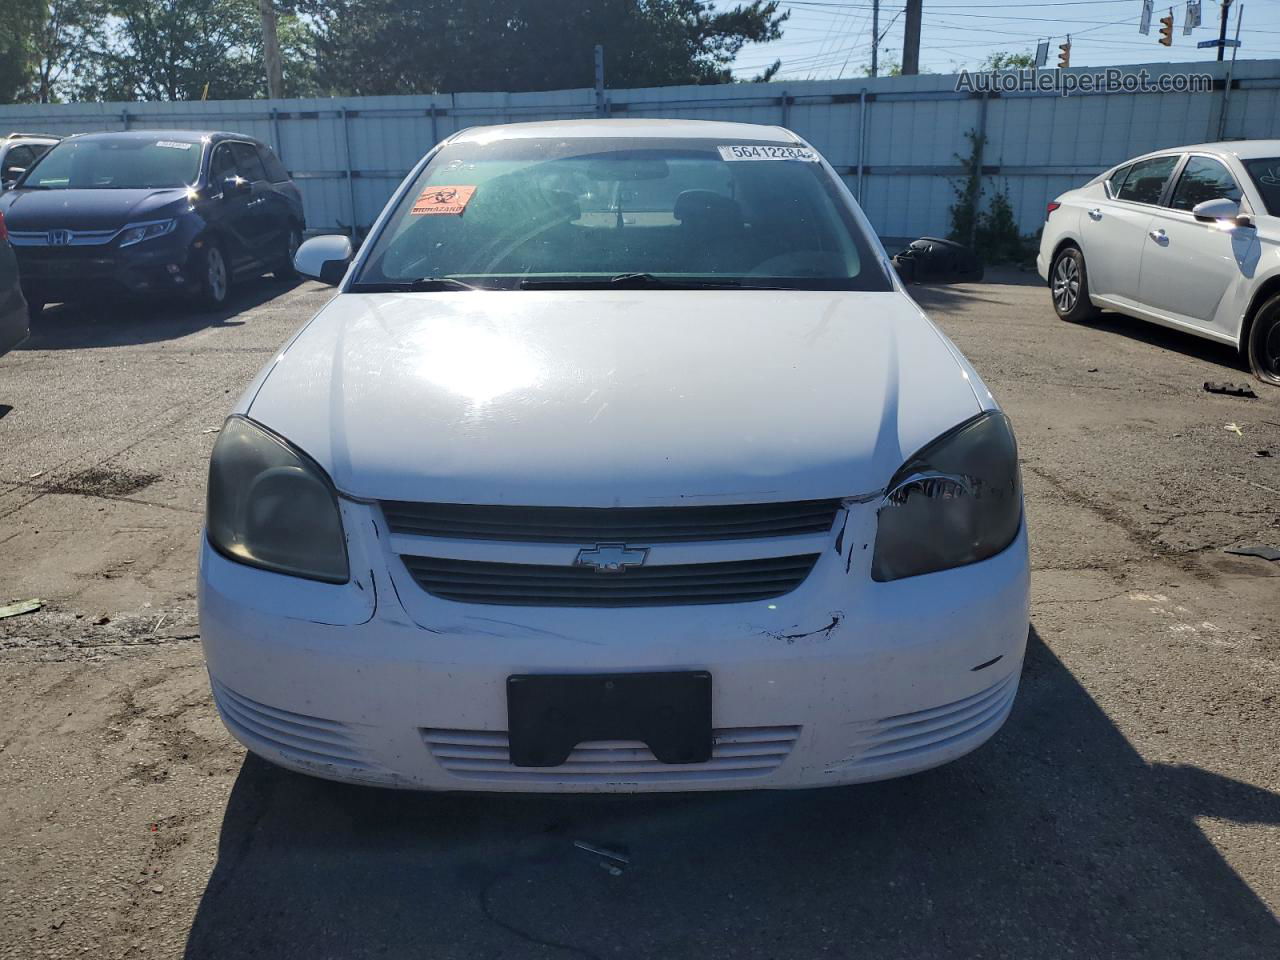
<point>611,557</point>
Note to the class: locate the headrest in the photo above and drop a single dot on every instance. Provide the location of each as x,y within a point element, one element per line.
<point>707,206</point>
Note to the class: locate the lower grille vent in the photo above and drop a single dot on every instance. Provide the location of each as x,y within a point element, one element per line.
<point>894,739</point>
<point>737,753</point>
<point>303,739</point>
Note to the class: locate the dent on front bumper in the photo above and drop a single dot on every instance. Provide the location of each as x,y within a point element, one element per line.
<point>842,681</point>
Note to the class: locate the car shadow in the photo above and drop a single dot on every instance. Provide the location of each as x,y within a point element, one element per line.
<point>936,296</point>
<point>1188,344</point>
<point>78,326</point>
<point>1054,840</point>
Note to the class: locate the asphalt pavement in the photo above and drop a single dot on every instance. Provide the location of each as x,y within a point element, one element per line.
<point>1129,808</point>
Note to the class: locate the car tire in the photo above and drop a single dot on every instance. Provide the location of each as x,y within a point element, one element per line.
<point>1263,347</point>
<point>215,277</point>
<point>1069,287</point>
<point>286,270</point>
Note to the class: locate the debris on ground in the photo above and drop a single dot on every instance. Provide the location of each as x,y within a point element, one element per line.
<point>1259,550</point>
<point>1262,453</point>
<point>611,860</point>
<point>20,607</point>
<point>1243,390</point>
<point>1234,428</point>
<point>104,482</point>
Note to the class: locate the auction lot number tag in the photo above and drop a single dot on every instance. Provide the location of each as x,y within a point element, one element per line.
<point>757,152</point>
<point>447,201</point>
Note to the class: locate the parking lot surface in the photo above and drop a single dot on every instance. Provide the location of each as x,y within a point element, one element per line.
<point>1129,808</point>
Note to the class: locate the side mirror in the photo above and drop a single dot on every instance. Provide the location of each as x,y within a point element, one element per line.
<point>235,186</point>
<point>1220,209</point>
<point>324,258</point>
<point>932,260</point>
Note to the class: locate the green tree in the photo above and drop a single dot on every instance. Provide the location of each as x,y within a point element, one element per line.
<point>19,24</point>
<point>65,48</point>
<point>179,49</point>
<point>421,46</point>
<point>1006,60</point>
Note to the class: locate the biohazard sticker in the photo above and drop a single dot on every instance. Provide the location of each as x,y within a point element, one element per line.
<point>758,152</point>
<point>446,201</point>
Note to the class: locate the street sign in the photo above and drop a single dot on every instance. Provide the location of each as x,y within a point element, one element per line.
<point>1217,43</point>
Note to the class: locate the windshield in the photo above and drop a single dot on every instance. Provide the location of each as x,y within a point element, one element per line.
<point>1266,175</point>
<point>529,212</point>
<point>124,163</point>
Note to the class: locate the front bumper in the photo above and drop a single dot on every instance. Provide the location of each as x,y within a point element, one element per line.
<point>152,268</point>
<point>844,680</point>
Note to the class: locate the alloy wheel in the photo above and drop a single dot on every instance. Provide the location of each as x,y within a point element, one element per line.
<point>216,274</point>
<point>1066,284</point>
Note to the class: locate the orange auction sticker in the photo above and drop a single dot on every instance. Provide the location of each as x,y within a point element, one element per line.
<point>442,200</point>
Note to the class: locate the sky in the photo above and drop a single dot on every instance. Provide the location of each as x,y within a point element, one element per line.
<point>826,39</point>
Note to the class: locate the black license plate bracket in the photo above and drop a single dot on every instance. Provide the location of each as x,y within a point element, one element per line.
<point>550,714</point>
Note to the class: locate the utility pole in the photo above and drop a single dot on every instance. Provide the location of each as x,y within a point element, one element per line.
<point>601,109</point>
<point>271,50</point>
<point>911,38</point>
<point>1226,90</point>
<point>875,38</point>
<point>1222,29</point>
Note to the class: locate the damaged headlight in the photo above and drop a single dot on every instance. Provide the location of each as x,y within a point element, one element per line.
<point>271,506</point>
<point>957,501</point>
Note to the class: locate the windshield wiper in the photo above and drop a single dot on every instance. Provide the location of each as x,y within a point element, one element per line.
<point>420,285</point>
<point>626,281</point>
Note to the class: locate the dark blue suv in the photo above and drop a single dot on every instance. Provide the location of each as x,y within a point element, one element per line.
<point>152,212</point>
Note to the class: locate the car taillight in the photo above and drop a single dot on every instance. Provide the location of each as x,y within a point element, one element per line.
<point>4,231</point>
<point>1053,205</point>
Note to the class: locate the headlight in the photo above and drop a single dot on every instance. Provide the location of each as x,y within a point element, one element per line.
<point>137,232</point>
<point>957,501</point>
<point>271,506</point>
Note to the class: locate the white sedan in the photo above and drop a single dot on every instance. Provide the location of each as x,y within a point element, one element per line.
<point>620,461</point>
<point>1187,237</point>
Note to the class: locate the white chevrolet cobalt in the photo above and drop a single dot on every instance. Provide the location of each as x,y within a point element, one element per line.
<point>620,461</point>
<point>1187,237</point>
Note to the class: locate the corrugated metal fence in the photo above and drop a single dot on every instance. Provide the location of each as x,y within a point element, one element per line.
<point>896,140</point>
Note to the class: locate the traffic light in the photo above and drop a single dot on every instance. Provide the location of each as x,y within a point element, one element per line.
<point>1166,29</point>
<point>1064,55</point>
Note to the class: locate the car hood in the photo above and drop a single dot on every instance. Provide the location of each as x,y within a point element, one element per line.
<point>84,209</point>
<point>615,398</point>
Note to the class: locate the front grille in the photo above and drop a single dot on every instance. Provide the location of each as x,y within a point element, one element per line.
<point>736,753</point>
<point>73,238</point>
<point>643,525</point>
<point>530,585</point>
